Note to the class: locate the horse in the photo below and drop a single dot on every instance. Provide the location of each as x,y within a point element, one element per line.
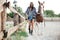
<point>39,21</point>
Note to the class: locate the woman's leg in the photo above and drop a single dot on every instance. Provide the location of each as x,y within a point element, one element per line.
<point>32,25</point>
<point>29,26</point>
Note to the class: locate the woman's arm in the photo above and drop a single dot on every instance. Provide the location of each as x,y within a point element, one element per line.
<point>35,11</point>
<point>26,13</point>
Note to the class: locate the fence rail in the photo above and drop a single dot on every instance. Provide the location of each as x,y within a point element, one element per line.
<point>52,18</point>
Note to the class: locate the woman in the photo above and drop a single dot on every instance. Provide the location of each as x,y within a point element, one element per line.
<point>31,13</point>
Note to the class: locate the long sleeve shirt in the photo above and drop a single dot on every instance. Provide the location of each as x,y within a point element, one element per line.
<point>31,12</point>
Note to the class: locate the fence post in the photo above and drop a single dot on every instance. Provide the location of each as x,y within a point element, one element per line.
<point>15,19</point>
<point>0,22</point>
<point>3,21</point>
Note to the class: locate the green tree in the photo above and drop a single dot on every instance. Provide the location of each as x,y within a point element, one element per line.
<point>19,9</point>
<point>49,13</point>
<point>11,14</point>
<point>59,15</point>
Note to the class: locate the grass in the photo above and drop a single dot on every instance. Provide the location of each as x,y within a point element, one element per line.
<point>19,35</point>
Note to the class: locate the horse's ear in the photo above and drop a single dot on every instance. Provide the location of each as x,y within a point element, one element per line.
<point>8,4</point>
<point>5,4</point>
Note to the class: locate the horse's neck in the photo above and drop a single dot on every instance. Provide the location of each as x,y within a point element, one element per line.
<point>40,10</point>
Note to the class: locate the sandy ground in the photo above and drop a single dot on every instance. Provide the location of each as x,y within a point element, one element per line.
<point>51,31</point>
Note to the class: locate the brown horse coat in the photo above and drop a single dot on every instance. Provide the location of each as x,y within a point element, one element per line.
<point>39,18</point>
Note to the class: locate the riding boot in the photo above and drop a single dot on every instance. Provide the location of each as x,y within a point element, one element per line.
<point>31,32</point>
<point>29,29</point>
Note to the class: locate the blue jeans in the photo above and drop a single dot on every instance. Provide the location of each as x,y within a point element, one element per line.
<point>30,18</point>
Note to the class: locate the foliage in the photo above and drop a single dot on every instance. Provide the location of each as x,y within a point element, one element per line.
<point>59,15</point>
<point>49,13</point>
<point>11,14</point>
<point>20,33</point>
<point>17,35</point>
